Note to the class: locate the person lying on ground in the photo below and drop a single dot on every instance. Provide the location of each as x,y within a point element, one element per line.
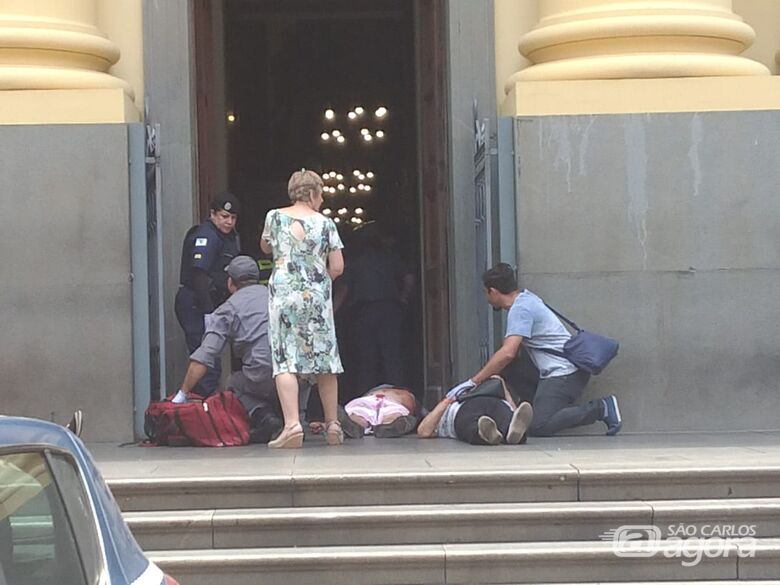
<point>478,419</point>
<point>385,412</point>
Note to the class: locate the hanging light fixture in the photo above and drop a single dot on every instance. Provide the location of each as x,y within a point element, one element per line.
<point>330,114</point>
<point>341,139</point>
<point>352,115</point>
<point>325,136</point>
<point>352,190</point>
<point>327,211</point>
<point>358,211</point>
<point>359,110</point>
<point>381,112</point>
<point>380,133</point>
<point>370,174</point>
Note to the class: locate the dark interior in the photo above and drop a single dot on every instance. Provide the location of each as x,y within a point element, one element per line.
<point>287,63</point>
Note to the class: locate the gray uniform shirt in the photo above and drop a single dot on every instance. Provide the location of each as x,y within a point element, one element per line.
<point>242,321</point>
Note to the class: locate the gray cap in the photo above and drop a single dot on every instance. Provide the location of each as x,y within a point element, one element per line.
<point>243,269</point>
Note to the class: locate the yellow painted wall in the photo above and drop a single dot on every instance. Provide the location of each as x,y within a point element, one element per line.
<point>764,17</point>
<point>513,18</point>
<point>122,22</point>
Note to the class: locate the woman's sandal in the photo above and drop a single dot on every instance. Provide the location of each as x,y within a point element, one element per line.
<point>334,435</point>
<point>289,438</point>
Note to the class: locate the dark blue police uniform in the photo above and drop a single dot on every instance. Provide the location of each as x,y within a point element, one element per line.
<point>205,254</point>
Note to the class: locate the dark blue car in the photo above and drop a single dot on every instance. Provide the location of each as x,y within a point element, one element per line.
<point>59,523</point>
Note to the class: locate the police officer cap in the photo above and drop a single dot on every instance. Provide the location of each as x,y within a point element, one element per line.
<point>226,201</point>
<point>243,269</point>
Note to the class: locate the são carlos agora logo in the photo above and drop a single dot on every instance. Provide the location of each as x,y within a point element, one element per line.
<point>688,542</point>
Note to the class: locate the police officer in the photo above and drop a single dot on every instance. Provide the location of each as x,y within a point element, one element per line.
<point>208,248</point>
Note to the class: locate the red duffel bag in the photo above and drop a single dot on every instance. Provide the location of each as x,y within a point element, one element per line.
<point>218,421</point>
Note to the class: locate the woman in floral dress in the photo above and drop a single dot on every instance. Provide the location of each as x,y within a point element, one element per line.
<point>307,259</point>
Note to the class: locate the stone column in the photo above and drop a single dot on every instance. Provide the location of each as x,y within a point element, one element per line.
<point>57,60</point>
<point>630,39</point>
<point>55,44</point>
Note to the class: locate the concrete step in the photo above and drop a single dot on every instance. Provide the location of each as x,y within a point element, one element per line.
<point>447,523</point>
<point>561,483</point>
<point>469,564</point>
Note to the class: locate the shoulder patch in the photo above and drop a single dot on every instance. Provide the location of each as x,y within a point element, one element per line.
<point>200,242</point>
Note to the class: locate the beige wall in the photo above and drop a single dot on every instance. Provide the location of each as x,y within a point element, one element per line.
<point>514,18</point>
<point>122,22</point>
<point>764,17</point>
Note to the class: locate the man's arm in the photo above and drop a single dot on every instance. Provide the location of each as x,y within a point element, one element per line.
<point>195,372</point>
<point>499,360</point>
<point>428,425</point>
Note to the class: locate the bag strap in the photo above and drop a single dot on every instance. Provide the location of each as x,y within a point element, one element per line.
<point>563,318</point>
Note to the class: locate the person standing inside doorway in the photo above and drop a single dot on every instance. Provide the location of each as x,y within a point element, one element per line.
<point>306,248</point>
<point>532,324</point>
<point>377,286</point>
<point>207,250</point>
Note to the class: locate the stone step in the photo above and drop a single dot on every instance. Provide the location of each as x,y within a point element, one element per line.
<point>448,523</point>
<point>561,483</point>
<point>469,564</point>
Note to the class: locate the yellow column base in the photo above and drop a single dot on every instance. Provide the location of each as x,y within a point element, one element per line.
<point>626,96</point>
<point>67,106</point>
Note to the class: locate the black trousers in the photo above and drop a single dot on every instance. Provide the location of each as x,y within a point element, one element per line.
<point>466,420</point>
<point>378,327</point>
<point>555,408</point>
<point>191,320</point>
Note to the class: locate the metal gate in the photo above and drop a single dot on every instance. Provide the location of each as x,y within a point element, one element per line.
<point>484,155</point>
<point>146,262</point>
<point>154,248</point>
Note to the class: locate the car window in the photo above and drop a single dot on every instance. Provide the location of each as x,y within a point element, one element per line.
<point>37,544</point>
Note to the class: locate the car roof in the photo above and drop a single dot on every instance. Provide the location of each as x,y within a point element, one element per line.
<point>122,553</point>
<point>16,430</point>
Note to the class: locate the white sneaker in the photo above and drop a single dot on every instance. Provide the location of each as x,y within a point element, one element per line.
<point>76,423</point>
<point>518,426</point>
<point>488,430</point>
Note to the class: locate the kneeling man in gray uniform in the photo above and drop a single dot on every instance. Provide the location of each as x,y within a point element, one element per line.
<point>242,321</point>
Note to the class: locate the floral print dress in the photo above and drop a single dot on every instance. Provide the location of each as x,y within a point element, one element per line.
<point>301,327</point>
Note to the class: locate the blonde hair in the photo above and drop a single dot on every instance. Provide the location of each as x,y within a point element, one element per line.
<point>303,185</point>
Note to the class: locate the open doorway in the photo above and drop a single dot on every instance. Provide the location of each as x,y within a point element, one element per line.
<point>341,88</point>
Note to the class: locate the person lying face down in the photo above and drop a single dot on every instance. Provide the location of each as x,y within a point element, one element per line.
<point>478,420</point>
<point>385,411</point>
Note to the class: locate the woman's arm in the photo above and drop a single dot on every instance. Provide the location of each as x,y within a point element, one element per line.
<point>427,427</point>
<point>265,246</point>
<point>335,264</point>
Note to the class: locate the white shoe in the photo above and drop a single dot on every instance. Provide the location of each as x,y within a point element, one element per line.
<point>76,423</point>
<point>488,430</point>
<point>518,426</point>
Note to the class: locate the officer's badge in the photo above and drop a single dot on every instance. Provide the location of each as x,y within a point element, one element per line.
<point>198,256</point>
<point>200,242</point>
<point>228,206</point>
